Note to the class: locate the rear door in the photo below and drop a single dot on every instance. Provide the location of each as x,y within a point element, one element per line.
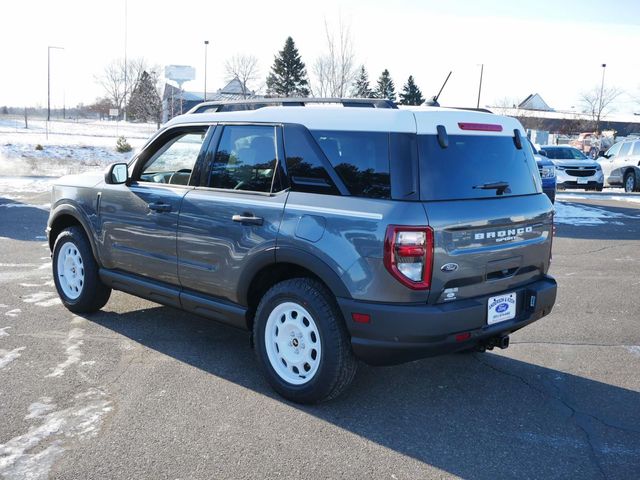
<point>482,196</point>
<point>620,163</point>
<point>232,218</point>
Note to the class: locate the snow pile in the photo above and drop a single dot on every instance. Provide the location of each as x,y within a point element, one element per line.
<point>631,198</point>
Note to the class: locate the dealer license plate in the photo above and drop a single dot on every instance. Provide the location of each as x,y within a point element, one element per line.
<point>501,308</point>
<point>583,181</point>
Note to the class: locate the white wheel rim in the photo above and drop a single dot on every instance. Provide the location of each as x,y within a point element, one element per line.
<point>70,270</point>
<point>293,344</point>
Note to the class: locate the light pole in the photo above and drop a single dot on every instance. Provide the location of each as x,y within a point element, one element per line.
<point>124,96</point>
<point>604,66</point>
<point>206,44</point>
<point>49,80</point>
<point>480,85</point>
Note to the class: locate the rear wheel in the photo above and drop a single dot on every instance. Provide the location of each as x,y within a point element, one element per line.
<point>75,273</point>
<point>302,343</point>
<point>630,182</point>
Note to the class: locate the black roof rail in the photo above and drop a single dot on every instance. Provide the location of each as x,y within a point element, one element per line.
<point>256,103</point>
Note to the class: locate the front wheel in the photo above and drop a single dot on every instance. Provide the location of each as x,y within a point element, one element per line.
<point>75,273</point>
<point>630,182</point>
<point>302,343</point>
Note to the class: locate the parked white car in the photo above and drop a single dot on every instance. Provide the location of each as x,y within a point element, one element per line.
<point>621,165</point>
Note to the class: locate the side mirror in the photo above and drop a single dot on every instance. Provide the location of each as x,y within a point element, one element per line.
<point>542,152</point>
<point>117,174</point>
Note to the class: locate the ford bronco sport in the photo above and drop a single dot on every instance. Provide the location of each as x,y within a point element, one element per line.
<point>333,233</point>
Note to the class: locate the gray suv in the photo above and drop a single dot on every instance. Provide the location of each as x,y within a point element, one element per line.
<point>332,232</point>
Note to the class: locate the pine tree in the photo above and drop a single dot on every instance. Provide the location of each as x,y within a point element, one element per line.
<point>145,104</point>
<point>411,94</point>
<point>385,87</point>
<point>288,77</point>
<point>361,88</point>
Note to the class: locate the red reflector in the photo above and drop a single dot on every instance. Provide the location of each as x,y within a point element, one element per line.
<point>361,317</point>
<point>461,337</point>
<point>410,251</point>
<point>483,127</point>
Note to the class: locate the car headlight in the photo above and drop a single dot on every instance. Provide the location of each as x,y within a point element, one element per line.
<point>548,172</point>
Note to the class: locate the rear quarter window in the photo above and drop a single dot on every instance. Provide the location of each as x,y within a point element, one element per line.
<point>457,172</point>
<point>361,159</point>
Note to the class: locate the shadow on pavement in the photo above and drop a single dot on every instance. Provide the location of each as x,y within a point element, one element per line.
<point>19,221</point>
<point>478,416</point>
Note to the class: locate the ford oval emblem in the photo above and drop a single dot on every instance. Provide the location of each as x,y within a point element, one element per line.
<point>503,307</point>
<point>449,267</point>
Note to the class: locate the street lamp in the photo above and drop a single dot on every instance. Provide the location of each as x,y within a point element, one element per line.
<point>49,80</point>
<point>604,66</point>
<point>206,43</point>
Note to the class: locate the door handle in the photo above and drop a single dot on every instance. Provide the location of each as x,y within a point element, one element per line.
<point>247,219</point>
<point>159,207</point>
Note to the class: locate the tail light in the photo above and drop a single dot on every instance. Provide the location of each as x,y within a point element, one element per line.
<point>408,255</point>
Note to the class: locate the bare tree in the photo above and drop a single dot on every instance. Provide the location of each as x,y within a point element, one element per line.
<point>113,77</point>
<point>244,68</point>
<point>335,70</point>
<point>505,104</point>
<point>598,103</point>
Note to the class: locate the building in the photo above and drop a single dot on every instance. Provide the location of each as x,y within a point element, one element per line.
<point>535,114</point>
<point>176,101</point>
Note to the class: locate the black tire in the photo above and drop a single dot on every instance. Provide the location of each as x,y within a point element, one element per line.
<point>599,188</point>
<point>630,182</point>
<point>593,153</point>
<point>337,365</point>
<point>94,294</point>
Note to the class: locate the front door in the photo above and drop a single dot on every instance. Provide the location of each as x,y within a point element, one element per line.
<point>139,220</point>
<point>234,216</point>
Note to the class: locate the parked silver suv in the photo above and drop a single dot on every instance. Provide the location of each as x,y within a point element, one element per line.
<point>573,168</point>
<point>332,233</point>
<point>621,165</point>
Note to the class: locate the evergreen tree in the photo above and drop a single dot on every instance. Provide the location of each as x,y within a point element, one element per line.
<point>361,88</point>
<point>288,77</point>
<point>385,88</point>
<point>145,103</point>
<point>411,94</point>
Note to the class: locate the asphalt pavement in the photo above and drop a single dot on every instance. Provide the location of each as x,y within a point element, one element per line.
<point>144,391</point>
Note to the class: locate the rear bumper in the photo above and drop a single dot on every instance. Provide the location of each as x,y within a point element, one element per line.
<point>401,333</point>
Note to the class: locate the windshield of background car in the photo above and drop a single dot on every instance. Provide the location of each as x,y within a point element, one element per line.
<point>565,154</point>
<point>470,161</point>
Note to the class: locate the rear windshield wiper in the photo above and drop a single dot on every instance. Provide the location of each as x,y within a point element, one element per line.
<point>499,187</point>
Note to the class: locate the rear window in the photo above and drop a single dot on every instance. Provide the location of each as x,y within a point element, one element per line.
<point>471,161</point>
<point>361,159</point>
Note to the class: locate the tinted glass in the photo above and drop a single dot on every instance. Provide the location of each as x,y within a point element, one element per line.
<point>625,149</point>
<point>564,154</point>
<point>613,151</point>
<point>174,161</point>
<point>636,148</point>
<point>471,161</point>
<point>245,159</point>
<point>361,159</point>
<point>304,164</point>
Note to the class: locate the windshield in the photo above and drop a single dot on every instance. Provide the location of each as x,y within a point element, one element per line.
<point>565,154</point>
<point>476,166</point>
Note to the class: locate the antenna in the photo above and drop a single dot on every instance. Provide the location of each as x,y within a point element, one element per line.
<point>434,100</point>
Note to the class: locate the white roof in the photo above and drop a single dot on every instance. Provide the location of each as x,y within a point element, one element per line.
<point>421,120</point>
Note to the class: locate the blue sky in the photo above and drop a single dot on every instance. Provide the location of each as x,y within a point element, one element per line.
<point>552,48</point>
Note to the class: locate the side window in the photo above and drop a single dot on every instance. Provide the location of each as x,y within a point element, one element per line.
<point>613,151</point>
<point>173,162</point>
<point>304,165</point>
<point>361,159</point>
<point>245,159</point>
<point>636,148</point>
<point>625,149</point>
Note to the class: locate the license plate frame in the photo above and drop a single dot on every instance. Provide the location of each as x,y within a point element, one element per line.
<point>501,308</point>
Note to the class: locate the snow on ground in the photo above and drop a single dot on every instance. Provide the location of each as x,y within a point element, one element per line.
<point>619,197</point>
<point>579,214</point>
<point>71,146</point>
